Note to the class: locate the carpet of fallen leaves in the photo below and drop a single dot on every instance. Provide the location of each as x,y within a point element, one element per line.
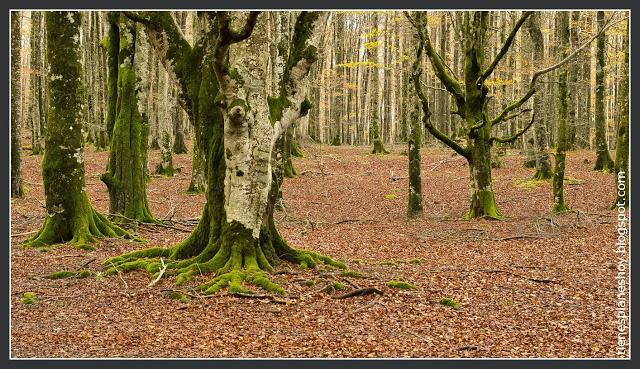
<point>533,285</point>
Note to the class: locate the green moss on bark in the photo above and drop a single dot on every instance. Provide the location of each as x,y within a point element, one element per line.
<point>70,216</point>
<point>125,176</point>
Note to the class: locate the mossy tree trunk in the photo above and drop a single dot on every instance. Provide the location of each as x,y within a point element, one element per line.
<point>621,166</point>
<point>35,80</point>
<point>543,164</point>
<point>125,175</point>
<point>562,39</point>
<point>603,158</point>
<point>414,140</point>
<point>471,100</point>
<point>236,236</point>
<point>16,165</point>
<point>70,216</point>
<point>111,44</point>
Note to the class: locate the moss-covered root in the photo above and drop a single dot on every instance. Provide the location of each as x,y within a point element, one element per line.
<point>378,147</point>
<point>81,232</point>
<point>304,258</point>
<point>483,205</point>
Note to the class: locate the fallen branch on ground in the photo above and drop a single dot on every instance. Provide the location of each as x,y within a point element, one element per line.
<point>359,292</point>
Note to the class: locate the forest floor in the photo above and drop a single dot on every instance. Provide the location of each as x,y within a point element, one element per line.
<point>533,285</point>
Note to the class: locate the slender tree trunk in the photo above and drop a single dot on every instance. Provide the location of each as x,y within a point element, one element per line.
<point>373,56</point>
<point>562,30</point>
<point>70,216</point>
<point>543,164</point>
<point>16,47</point>
<point>125,177</point>
<point>35,82</point>
<point>414,141</point>
<point>603,158</point>
<point>621,166</point>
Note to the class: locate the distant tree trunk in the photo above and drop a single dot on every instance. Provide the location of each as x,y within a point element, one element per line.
<point>603,158</point>
<point>621,166</point>
<point>125,177</point>
<point>572,91</point>
<point>165,167</point>
<point>16,47</point>
<point>70,216</point>
<point>543,164</point>
<point>562,40</point>
<point>35,77</point>
<point>373,57</point>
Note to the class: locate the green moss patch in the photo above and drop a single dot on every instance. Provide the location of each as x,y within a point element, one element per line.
<point>28,298</point>
<point>401,285</point>
<point>450,302</point>
<point>352,273</point>
<point>69,274</point>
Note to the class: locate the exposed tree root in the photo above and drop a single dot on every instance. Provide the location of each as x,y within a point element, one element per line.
<point>81,232</point>
<point>237,259</point>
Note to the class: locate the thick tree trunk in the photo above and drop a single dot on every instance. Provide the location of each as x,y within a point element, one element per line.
<point>483,202</point>
<point>236,236</point>
<point>16,172</point>
<point>70,216</point>
<point>125,176</point>
<point>603,158</point>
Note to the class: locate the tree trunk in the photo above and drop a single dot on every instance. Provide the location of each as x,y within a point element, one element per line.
<point>543,164</point>
<point>622,143</point>
<point>125,176</point>
<point>36,82</point>
<point>70,216</point>
<point>603,158</point>
<point>373,51</point>
<point>563,106</point>
<point>16,47</point>
<point>236,235</point>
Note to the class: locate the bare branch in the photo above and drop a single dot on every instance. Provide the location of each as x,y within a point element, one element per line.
<point>562,62</point>
<point>450,83</point>
<point>415,76</point>
<point>514,137</point>
<point>532,86</point>
<point>504,49</point>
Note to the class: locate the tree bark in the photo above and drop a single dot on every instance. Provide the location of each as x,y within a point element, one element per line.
<point>16,146</point>
<point>236,236</point>
<point>603,158</point>
<point>543,164</point>
<point>125,177</point>
<point>562,40</point>
<point>621,166</point>
<point>70,216</point>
